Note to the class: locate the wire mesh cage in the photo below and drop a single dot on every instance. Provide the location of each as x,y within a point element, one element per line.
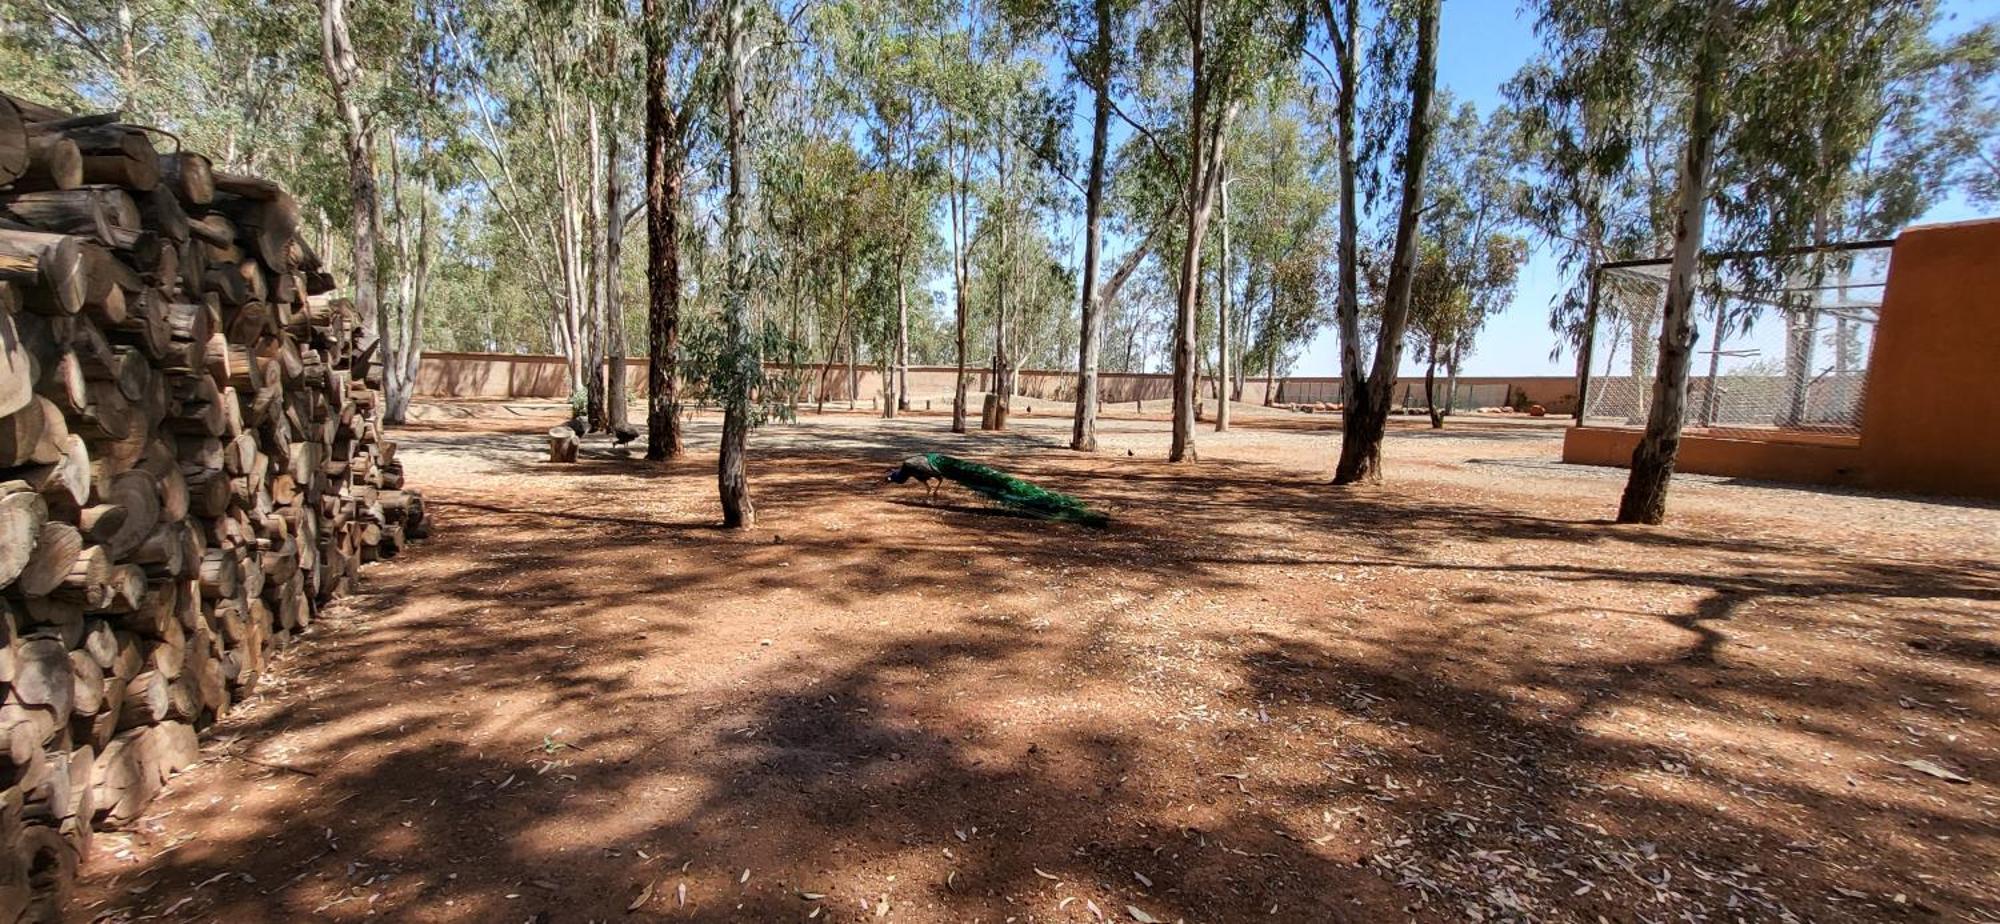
<point>1789,357</point>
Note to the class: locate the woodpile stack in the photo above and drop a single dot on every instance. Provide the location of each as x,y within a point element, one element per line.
<point>191,465</point>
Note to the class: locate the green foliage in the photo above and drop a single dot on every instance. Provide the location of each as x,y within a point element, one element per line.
<point>1840,119</point>
<point>1468,259</point>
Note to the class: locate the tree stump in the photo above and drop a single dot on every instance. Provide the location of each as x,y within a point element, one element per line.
<point>562,444</point>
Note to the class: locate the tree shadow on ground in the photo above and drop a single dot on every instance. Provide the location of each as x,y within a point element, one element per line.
<point>1251,697</point>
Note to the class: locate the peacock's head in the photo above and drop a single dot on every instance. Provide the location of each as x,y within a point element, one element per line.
<point>897,476</point>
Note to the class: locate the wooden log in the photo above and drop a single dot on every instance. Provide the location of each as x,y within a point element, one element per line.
<point>88,573</point>
<point>87,685</point>
<point>64,484</point>
<point>56,549</point>
<point>138,493</point>
<point>17,358</point>
<point>219,574</point>
<point>42,677</point>
<point>13,142</point>
<point>189,176</point>
<point>50,860</point>
<point>76,825</point>
<point>45,797</point>
<point>125,781</point>
<point>53,163</point>
<point>172,488</point>
<point>100,642</point>
<point>192,322</point>
<point>156,616</point>
<point>49,268</point>
<point>121,591</point>
<point>49,617</point>
<point>20,748</point>
<point>107,414</point>
<point>105,277</point>
<point>562,444</point>
<point>268,219</point>
<point>33,434</point>
<point>217,232</point>
<point>146,324</point>
<point>236,282</point>
<point>194,265</point>
<point>118,155</point>
<point>62,379</point>
<point>184,698</point>
<point>106,214</point>
<point>23,514</point>
<point>160,211</point>
<point>99,522</point>
<point>147,701</point>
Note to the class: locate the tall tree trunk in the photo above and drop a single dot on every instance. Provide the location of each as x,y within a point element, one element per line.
<point>1645,497</point>
<point>614,246</point>
<point>739,361</point>
<point>1430,387</point>
<point>1801,323</point>
<point>1367,413</point>
<point>343,71</point>
<point>1711,393</point>
<point>663,250</point>
<point>1206,131</point>
<point>959,244</point>
<point>1451,379</point>
<point>1343,33</point>
<point>896,375</point>
<point>599,275</point>
<point>1002,390</point>
<point>1222,382</point>
<point>1083,436</point>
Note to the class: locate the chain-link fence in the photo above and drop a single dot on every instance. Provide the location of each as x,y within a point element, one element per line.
<point>1464,396</point>
<point>1791,357</point>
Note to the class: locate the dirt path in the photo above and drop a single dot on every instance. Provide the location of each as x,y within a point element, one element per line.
<point>1458,696</point>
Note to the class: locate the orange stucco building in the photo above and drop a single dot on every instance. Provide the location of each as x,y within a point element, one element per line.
<point>1930,420</point>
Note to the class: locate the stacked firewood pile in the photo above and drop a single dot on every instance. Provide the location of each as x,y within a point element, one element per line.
<point>191,465</point>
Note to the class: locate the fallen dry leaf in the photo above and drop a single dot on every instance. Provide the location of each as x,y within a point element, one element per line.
<point>1926,767</point>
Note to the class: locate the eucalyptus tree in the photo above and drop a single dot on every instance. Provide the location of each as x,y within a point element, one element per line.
<point>885,57</point>
<point>1613,200</point>
<point>1027,154</point>
<point>1093,39</point>
<point>680,70</point>
<point>1340,21</point>
<point>959,89</point>
<point>748,66</point>
<point>977,74</point>
<point>1281,221</point>
<point>1224,52</point>
<point>344,78</point>
<point>1365,418</point>
<point>535,118</point>
<point>1917,115</point>
<point>1471,258</point>
<point>1760,79</point>
<point>1970,93</point>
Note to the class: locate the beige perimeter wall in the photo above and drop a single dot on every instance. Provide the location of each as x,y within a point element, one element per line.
<point>504,375</point>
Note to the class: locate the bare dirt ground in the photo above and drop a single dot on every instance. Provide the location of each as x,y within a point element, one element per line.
<point>1459,696</point>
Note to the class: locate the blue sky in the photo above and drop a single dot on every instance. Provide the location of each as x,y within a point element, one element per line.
<point>1481,45</point>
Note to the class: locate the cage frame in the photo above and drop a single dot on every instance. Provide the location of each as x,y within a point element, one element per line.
<point>1586,348</point>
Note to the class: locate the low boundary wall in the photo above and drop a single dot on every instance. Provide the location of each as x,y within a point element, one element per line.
<point>510,375</point>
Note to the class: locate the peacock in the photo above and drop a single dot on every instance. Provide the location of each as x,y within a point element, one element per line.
<point>933,469</point>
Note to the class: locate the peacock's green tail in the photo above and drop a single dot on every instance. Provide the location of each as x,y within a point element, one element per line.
<point>1010,491</point>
